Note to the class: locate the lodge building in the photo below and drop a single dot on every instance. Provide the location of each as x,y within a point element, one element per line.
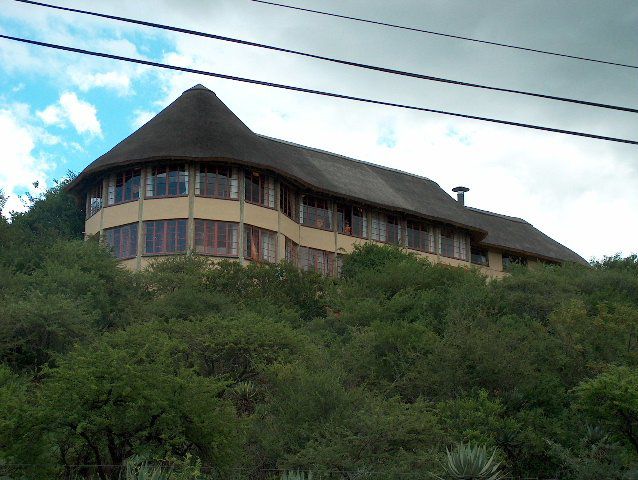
<point>196,179</point>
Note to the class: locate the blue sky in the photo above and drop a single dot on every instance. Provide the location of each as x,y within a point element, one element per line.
<point>59,111</point>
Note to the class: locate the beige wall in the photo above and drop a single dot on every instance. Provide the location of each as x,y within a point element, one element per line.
<point>165,208</point>
<point>239,211</point>
<point>122,214</point>
<point>216,209</point>
<point>261,217</point>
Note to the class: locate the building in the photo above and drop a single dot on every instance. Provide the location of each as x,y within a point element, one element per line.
<point>196,179</point>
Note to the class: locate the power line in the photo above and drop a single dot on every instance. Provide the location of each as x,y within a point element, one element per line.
<point>314,92</point>
<point>449,35</point>
<point>333,60</point>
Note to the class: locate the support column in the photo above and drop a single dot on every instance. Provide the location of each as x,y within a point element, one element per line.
<point>190,239</point>
<point>241,181</point>
<point>140,220</point>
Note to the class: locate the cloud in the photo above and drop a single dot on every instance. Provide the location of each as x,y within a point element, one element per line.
<point>70,109</point>
<point>141,117</point>
<point>20,165</point>
<point>117,81</point>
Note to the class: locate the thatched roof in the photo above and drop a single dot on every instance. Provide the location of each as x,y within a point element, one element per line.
<point>197,126</point>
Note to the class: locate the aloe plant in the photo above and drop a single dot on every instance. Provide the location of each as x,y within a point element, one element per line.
<point>468,462</point>
<point>136,469</point>
<point>296,475</point>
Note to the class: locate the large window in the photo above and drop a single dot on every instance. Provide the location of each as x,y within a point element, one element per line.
<point>122,240</point>
<point>292,251</point>
<point>479,256</point>
<point>385,228</point>
<point>315,260</point>
<point>421,236</point>
<point>352,221</point>
<point>165,236</point>
<point>216,238</point>
<point>124,186</point>
<point>288,202</point>
<point>453,243</point>
<point>315,212</point>
<point>260,189</point>
<point>94,200</point>
<point>259,244</point>
<point>216,181</point>
<point>167,181</point>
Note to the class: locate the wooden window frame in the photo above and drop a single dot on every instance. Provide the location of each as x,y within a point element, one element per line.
<point>249,232</point>
<point>316,260</point>
<point>224,178</point>
<point>95,199</point>
<point>127,249</point>
<point>207,229</point>
<point>152,183</point>
<point>288,202</point>
<point>265,189</point>
<point>178,222</point>
<point>133,188</point>
<point>313,215</point>
<point>346,219</point>
<point>425,234</point>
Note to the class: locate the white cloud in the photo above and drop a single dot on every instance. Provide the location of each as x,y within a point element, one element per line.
<point>81,114</point>
<point>117,81</point>
<point>141,117</point>
<point>20,166</point>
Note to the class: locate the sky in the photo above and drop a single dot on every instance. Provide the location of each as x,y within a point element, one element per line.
<point>60,110</point>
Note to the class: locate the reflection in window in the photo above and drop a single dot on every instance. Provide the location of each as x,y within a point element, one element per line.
<point>352,221</point>
<point>421,236</point>
<point>292,251</point>
<point>94,200</point>
<point>259,244</point>
<point>165,236</point>
<point>124,186</point>
<point>453,243</point>
<point>479,256</point>
<point>288,202</point>
<point>216,238</point>
<point>260,189</point>
<point>315,212</point>
<point>167,181</point>
<point>216,181</point>
<point>122,240</point>
<point>315,260</point>
<point>385,228</point>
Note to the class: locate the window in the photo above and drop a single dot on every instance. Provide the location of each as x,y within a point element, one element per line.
<point>165,236</point>
<point>216,181</point>
<point>453,243</point>
<point>94,200</point>
<point>124,186</point>
<point>260,189</point>
<point>479,256</point>
<point>421,236</point>
<point>315,260</point>
<point>315,212</point>
<point>122,240</point>
<point>167,181</point>
<point>259,244</point>
<point>352,221</point>
<point>288,202</point>
<point>385,228</point>
<point>292,251</point>
<point>216,238</point>
<point>510,259</point>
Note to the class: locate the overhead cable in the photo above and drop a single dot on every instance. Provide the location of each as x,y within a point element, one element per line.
<point>334,60</point>
<point>312,91</point>
<point>449,35</point>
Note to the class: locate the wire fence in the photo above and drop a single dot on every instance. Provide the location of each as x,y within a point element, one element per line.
<point>119,472</point>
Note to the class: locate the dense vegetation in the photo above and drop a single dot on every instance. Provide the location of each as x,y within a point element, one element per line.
<point>240,372</point>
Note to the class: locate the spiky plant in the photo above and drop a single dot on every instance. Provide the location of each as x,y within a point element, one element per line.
<point>136,469</point>
<point>296,475</point>
<point>471,462</point>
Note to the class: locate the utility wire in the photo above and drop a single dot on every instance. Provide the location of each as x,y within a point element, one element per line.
<point>311,91</point>
<point>449,35</point>
<point>333,60</point>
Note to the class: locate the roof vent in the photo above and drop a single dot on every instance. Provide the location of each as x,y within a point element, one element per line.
<point>460,194</point>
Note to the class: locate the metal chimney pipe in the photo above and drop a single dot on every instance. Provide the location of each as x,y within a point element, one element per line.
<point>460,194</point>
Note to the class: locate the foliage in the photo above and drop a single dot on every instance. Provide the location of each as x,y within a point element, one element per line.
<point>214,370</point>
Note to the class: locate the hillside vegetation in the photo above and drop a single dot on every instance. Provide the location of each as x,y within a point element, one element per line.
<point>242,372</point>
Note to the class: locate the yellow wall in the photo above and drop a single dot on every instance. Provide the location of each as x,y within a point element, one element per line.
<point>122,214</point>
<point>165,208</point>
<point>92,225</point>
<point>216,209</point>
<point>316,238</point>
<point>261,217</point>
